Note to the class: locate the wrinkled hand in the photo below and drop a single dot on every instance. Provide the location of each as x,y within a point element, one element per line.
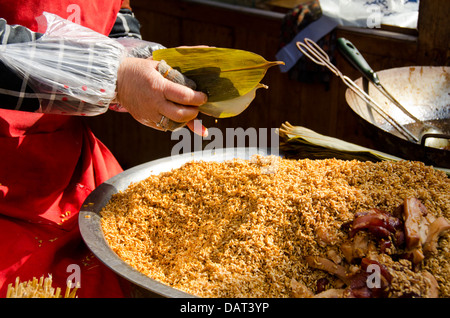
<point>147,95</point>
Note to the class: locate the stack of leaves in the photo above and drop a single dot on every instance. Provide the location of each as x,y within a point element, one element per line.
<point>41,288</point>
<point>229,77</point>
<point>302,143</point>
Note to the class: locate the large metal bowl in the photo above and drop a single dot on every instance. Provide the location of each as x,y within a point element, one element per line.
<point>90,219</point>
<point>425,92</point>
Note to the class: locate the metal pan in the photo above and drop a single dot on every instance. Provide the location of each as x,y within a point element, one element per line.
<point>425,91</point>
<point>90,219</point>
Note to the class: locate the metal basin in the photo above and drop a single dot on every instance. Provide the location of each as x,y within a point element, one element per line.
<point>90,219</point>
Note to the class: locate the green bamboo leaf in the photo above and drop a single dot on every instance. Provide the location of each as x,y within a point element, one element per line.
<point>221,73</point>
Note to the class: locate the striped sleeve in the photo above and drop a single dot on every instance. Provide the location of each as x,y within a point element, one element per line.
<point>126,25</point>
<point>16,33</point>
<point>58,74</point>
<point>14,90</point>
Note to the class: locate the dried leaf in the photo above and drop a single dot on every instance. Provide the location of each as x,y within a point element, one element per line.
<point>300,142</point>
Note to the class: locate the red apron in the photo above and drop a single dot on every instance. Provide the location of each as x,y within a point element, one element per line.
<point>48,165</point>
<point>98,15</point>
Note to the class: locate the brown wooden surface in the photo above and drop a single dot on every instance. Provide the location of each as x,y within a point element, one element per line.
<point>434,32</point>
<point>176,22</point>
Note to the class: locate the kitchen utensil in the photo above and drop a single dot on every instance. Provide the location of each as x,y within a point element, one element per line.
<point>391,135</point>
<point>428,135</point>
<point>315,53</point>
<point>430,103</point>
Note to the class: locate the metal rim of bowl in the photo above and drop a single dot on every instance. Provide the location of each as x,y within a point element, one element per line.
<point>90,220</point>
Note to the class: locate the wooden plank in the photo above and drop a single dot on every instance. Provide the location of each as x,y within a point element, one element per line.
<point>196,32</point>
<point>212,12</point>
<point>152,23</point>
<point>434,32</point>
<point>381,43</point>
<point>284,5</point>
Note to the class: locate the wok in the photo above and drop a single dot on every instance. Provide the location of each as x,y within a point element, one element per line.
<point>425,91</point>
<point>90,219</point>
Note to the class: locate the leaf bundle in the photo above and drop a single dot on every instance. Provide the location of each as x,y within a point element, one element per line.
<point>300,143</point>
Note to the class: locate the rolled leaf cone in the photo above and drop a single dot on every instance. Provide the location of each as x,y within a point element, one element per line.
<point>221,73</point>
<point>230,107</point>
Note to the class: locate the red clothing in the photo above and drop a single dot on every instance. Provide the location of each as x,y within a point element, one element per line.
<point>98,15</point>
<point>48,166</point>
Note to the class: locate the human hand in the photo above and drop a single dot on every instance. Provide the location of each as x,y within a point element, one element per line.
<point>148,96</point>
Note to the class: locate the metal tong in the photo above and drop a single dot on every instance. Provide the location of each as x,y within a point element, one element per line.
<point>315,53</point>
<point>428,136</point>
